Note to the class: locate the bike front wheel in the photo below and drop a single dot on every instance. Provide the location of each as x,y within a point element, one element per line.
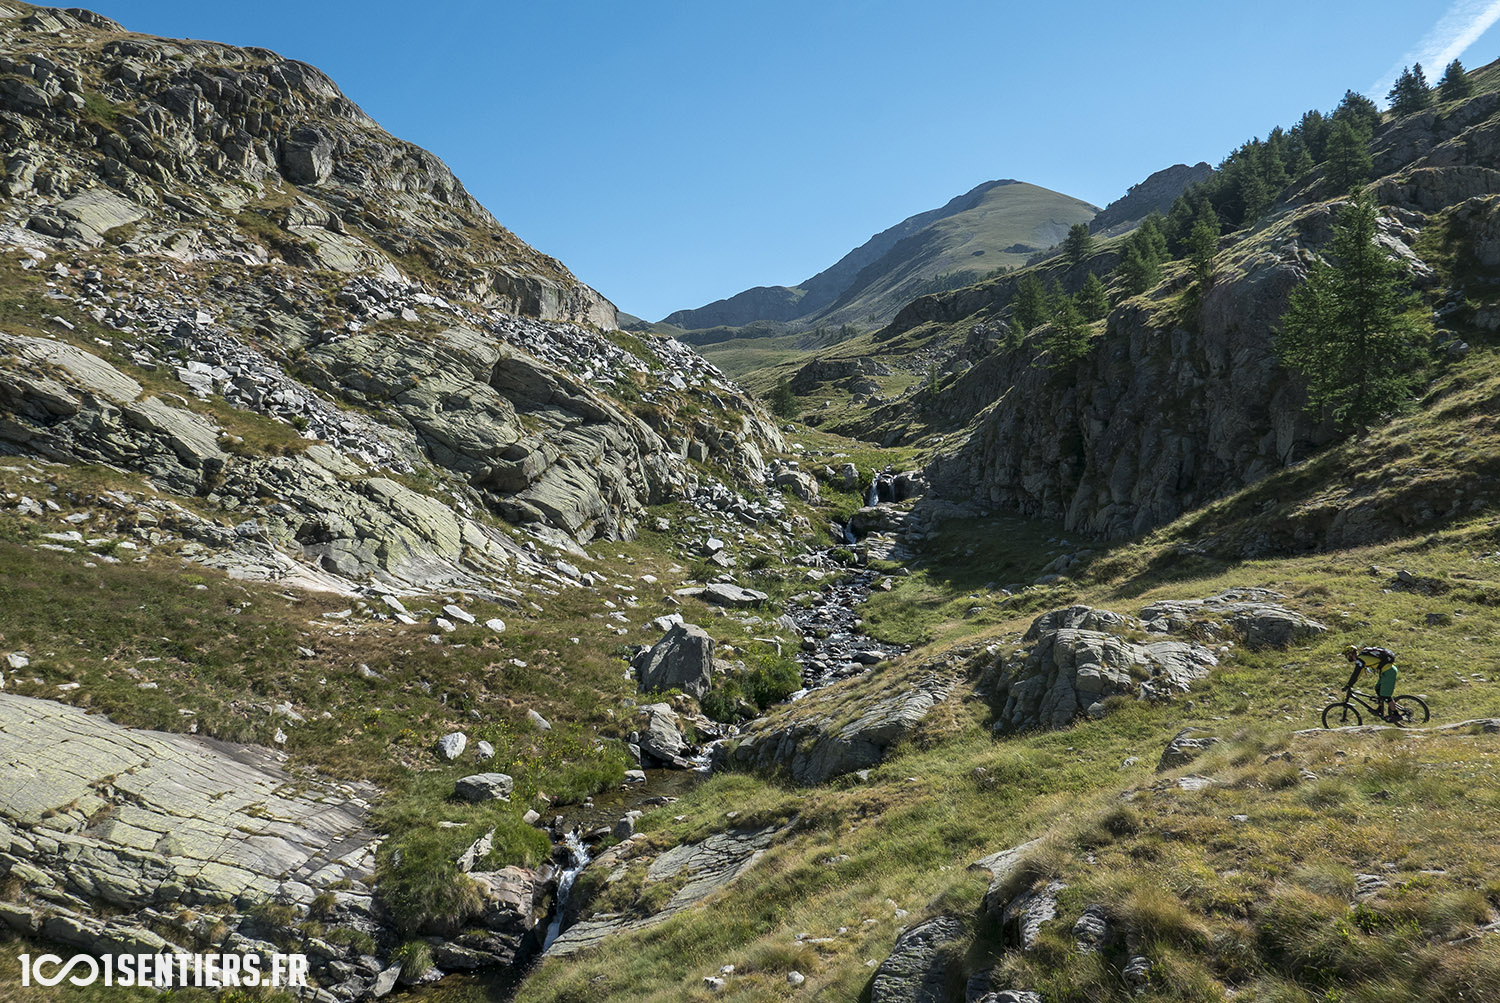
<point>1410,709</point>
<point>1340,715</point>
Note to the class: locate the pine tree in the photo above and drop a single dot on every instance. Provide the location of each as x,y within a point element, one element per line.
<point>1067,339</point>
<point>1254,196</point>
<point>1349,161</point>
<point>1348,329</point>
<point>1410,93</point>
<point>1304,163</point>
<point>1203,244</point>
<point>1359,111</point>
<point>1312,131</point>
<point>1031,309</point>
<point>783,400</point>
<point>1092,299</point>
<point>1455,84</point>
<point>1079,242</point>
<point>1140,263</point>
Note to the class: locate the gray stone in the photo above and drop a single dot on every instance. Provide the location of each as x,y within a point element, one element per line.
<point>1022,917</point>
<point>1069,670</point>
<point>386,981</point>
<point>1248,613</point>
<point>725,594</point>
<point>537,721</point>
<point>1185,747</point>
<point>484,787</point>
<point>917,969</point>
<point>682,660</point>
<point>1093,930</point>
<point>452,745</point>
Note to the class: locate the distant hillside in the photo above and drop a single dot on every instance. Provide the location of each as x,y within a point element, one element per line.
<point>997,224</point>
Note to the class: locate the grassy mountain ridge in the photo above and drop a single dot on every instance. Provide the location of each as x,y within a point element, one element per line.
<point>994,225</point>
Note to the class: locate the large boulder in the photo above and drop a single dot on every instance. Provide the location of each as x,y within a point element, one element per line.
<point>1071,671</point>
<point>1249,614</point>
<point>485,787</point>
<point>816,738</point>
<point>919,964</point>
<point>683,660</point>
<point>661,742</point>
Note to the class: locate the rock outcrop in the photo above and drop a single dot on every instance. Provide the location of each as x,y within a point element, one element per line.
<point>839,729</point>
<point>1164,415</point>
<point>695,871</point>
<point>1070,671</point>
<point>114,834</point>
<point>917,970</point>
<point>240,230</point>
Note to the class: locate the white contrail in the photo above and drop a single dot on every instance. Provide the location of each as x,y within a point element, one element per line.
<point>1455,31</point>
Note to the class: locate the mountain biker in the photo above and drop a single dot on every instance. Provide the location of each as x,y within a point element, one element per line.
<point>1384,668</point>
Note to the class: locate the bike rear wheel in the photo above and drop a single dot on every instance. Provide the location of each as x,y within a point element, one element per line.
<point>1341,715</point>
<point>1410,709</point>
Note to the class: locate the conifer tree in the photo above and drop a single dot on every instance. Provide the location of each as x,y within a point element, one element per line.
<point>1455,83</point>
<point>1203,244</point>
<point>1140,263</point>
<point>1359,111</point>
<point>1349,161</point>
<point>1348,330</point>
<point>783,400</point>
<point>1092,299</point>
<point>1410,92</point>
<point>1031,309</point>
<point>1312,131</point>
<point>1304,163</point>
<point>1067,339</point>
<point>1079,242</point>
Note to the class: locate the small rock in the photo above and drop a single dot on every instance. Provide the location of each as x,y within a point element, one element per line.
<point>484,750</point>
<point>17,660</point>
<point>795,978</point>
<point>496,624</point>
<point>452,745</point>
<point>538,721</point>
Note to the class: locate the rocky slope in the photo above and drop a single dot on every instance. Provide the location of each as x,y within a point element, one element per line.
<point>224,225</point>
<point>996,224</point>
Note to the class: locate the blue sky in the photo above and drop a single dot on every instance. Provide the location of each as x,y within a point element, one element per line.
<point>671,153</point>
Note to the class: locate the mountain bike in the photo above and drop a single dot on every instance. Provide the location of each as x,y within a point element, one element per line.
<point>1408,710</point>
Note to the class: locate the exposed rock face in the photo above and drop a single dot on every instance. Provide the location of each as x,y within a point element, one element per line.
<point>114,831</point>
<point>683,659</point>
<point>698,869</point>
<point>918,967</point>
<point>1152,423</point>
<point>818,371</point>
<point>1185,747</point>
<point>1070,671</point>
<point>1247,613</point>
<point>814,740</point>
<point>1159,419</point>
<point>415,363</point>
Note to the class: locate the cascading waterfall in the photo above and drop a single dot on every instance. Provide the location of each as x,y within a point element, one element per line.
<point>578,859</point>
<point>873,496</point>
